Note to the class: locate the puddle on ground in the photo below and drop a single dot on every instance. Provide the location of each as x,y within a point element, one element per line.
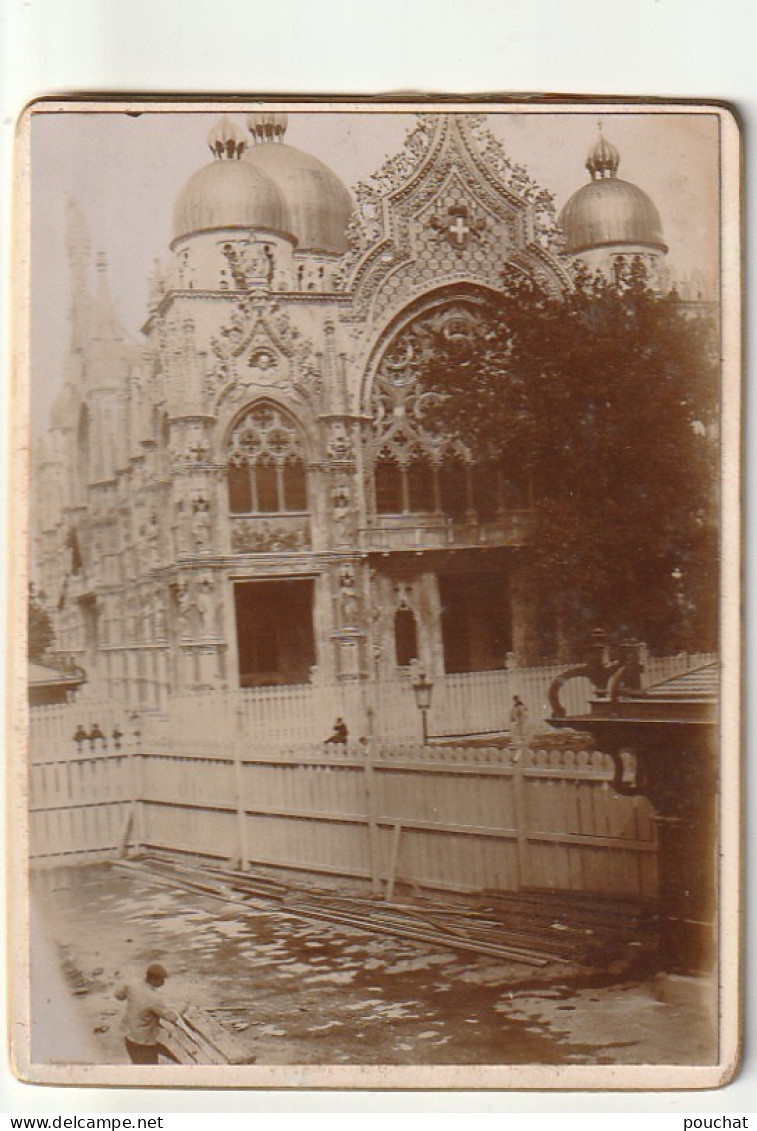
<point>434,1006</point>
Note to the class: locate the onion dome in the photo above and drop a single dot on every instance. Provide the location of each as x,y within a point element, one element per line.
<point>318,202</point>
<point>229,193</point>
<point>226,139</point>
<point>609,211</point>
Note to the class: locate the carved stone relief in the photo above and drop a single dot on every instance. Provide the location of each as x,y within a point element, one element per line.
<point>261,535</point>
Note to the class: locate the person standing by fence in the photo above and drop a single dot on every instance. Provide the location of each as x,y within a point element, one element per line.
<point>518,719</point>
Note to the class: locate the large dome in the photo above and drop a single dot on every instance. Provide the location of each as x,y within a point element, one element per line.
<point>609,210</point>
<point>229,193</point>
<point>318,202</point>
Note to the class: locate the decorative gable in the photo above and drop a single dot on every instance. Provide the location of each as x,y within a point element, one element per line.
<point>451,207</point>
<point>260,351</point>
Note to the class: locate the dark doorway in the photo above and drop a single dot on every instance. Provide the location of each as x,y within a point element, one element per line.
<point>405,637</point>
<point>476,622</point>
<point>274,631</point>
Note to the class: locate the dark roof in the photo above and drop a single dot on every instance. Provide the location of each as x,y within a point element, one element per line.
<point>699,683</point>
<point>684,703</point>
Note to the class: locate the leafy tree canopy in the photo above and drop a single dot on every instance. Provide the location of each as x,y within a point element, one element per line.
<point>607,399</point>
<point>40,628</point>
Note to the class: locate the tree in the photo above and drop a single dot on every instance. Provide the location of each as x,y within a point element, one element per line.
<point>606,398</point>
<point>40,627</point>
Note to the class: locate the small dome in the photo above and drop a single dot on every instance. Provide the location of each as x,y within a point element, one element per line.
<point>318,202</point>
<point>603,158</point>
<point>267,126</point>
<point>229,193</point>
<point>609,210</point>
<point>226,139</point>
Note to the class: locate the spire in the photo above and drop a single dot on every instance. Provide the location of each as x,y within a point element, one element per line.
<point>603,158</point>
<point>226,140</point>
<point>267,126</point>
<point>79,249</point>
<point>106,326</point>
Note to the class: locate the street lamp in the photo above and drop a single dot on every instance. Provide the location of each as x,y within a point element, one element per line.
<point>422,689</point>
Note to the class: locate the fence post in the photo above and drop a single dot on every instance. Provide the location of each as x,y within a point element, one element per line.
<point>239,790</point>
<point>370,807</point>
<point>393,857</point>
<point>521,814</point>
<point>133,831</point>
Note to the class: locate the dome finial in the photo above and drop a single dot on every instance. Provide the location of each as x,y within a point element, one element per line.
<point>603,158</point>
<point>267,126</point>
<point>226,140</point>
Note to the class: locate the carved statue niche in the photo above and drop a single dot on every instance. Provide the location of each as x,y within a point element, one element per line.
<point>152,539</point>
<point>349,606</point>
<point>181,515</point>
<point>343,513</point>
<point>184,609</point>
<point>206,610</point>
<point>339,449</point>
<point>201,524</point>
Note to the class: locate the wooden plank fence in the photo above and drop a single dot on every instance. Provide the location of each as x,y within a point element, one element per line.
<point>238,775</point>
<point>449,818</point>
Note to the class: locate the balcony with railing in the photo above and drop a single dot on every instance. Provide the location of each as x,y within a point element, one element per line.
<point>432,532</point>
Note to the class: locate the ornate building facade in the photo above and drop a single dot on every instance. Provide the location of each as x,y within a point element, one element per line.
<point>250,496</point>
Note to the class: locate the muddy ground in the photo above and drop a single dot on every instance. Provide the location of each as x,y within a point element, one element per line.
<point>295,992</point>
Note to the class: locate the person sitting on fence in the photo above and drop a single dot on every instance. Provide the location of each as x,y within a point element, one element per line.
<point>518,718</point>
<point>145,1009</point>
<point>339,735</point>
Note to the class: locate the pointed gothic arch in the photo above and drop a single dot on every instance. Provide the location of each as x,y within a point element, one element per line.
<point>266,460</point>
<point>415,470</point>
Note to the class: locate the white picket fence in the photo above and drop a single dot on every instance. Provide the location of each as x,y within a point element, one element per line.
<point>278,718</point>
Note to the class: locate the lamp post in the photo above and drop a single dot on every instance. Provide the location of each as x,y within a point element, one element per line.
<point>422,688</point>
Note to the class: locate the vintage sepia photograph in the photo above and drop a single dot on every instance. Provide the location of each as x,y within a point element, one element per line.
<point>376,713</point>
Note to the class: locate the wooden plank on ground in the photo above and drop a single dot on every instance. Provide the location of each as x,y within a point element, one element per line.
<point>211,1033</point>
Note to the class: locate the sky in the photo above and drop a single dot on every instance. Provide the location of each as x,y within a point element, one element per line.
<point>126,170</point>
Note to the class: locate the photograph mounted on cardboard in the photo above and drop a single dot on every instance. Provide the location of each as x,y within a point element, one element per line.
<point>376,690</point>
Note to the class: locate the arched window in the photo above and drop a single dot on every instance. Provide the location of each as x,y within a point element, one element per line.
<point>453,483</point>
<point>388,486</point>
<point>420,484</point>
<point>295,484</point>
<point>417,470</point>
<point>266,471</point>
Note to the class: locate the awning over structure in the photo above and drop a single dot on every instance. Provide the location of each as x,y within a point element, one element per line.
<point>49,685</point>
